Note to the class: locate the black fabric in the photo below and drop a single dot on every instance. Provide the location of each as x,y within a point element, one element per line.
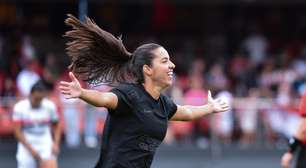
<point>301,158</point>
<point>135,128</point>
<point>294,144</point>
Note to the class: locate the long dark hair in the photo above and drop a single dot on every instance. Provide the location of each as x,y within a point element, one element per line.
<point>97,56</point>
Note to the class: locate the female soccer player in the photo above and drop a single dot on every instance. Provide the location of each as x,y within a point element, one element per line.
<point>298,141</point>
<point>37,130</point>
<point>138,111</point>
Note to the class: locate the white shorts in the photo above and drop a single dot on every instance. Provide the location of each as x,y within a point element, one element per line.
<point>26,160</point>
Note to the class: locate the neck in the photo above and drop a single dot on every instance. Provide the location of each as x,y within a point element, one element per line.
<point>33,103</point>
<point>152,89</point>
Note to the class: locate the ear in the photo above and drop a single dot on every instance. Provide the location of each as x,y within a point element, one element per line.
<point>147,70</point>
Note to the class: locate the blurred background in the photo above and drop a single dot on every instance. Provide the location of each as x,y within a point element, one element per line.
<point>250,52</point>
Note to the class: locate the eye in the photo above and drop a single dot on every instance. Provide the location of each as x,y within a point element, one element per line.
<point>165,60</point>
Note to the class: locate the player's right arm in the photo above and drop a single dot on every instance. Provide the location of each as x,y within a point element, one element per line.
<point>73,89</point>
<point>20,138</point>
<point>18,120</point>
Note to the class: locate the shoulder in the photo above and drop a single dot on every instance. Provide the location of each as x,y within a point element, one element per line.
<point>22,104</point>
<point>47,103</point>
<point>126,87</point>
<point>169,105</point>
<point>164,97</point>
<point>128,90</point>
<point>124,97</point>
<point>167,100</point>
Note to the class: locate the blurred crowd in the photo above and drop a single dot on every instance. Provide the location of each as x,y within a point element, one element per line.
<point>262,81</point>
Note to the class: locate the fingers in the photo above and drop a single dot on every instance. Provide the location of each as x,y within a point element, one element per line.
<point>72,77</point>
<point>220,101</point>
<point>67,96</point>
<point>63,83</point>
<point>222,105</point>
<point>65,92</point>
<point>64,88</point>
<point>209,95</point>
<point>225,108</point>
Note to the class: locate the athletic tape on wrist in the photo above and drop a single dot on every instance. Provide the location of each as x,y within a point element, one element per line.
<point>294,144</point>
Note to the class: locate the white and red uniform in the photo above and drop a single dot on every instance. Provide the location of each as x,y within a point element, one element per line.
<point>36,129</point>
<point>303,110</point>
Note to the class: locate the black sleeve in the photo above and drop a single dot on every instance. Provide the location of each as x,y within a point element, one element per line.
<point>121,105</point>
<point>170,106</point>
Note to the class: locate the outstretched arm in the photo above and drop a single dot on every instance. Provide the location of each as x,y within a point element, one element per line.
<point>73,89</point>
<point>298,137</point>
<point>188,113</point>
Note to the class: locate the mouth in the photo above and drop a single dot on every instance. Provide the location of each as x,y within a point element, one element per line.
<point>170,74</point>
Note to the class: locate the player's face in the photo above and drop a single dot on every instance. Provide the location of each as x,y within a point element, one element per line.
<point>162,68</point>
<point>37,97</point>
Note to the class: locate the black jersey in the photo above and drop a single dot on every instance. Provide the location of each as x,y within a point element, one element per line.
<point>135,128</point>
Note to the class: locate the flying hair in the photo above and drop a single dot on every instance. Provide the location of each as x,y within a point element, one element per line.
<point>96,55</point>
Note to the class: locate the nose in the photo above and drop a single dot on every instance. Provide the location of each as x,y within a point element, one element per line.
<point>172,65</point>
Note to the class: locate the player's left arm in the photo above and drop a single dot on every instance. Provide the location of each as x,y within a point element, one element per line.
<point>56,130</point>
<point>189,113</point>
<point>297,140</point>
<point>294,143</point>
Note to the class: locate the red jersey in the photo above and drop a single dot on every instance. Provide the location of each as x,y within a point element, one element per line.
<point>303,110</point>
<point>303,105</point>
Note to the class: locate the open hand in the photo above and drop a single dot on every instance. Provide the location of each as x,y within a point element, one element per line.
<point>286,160</point>
<point>218,105</point>
<point>55,149</point>
<point>71,89</point>
<point>36,156</point>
